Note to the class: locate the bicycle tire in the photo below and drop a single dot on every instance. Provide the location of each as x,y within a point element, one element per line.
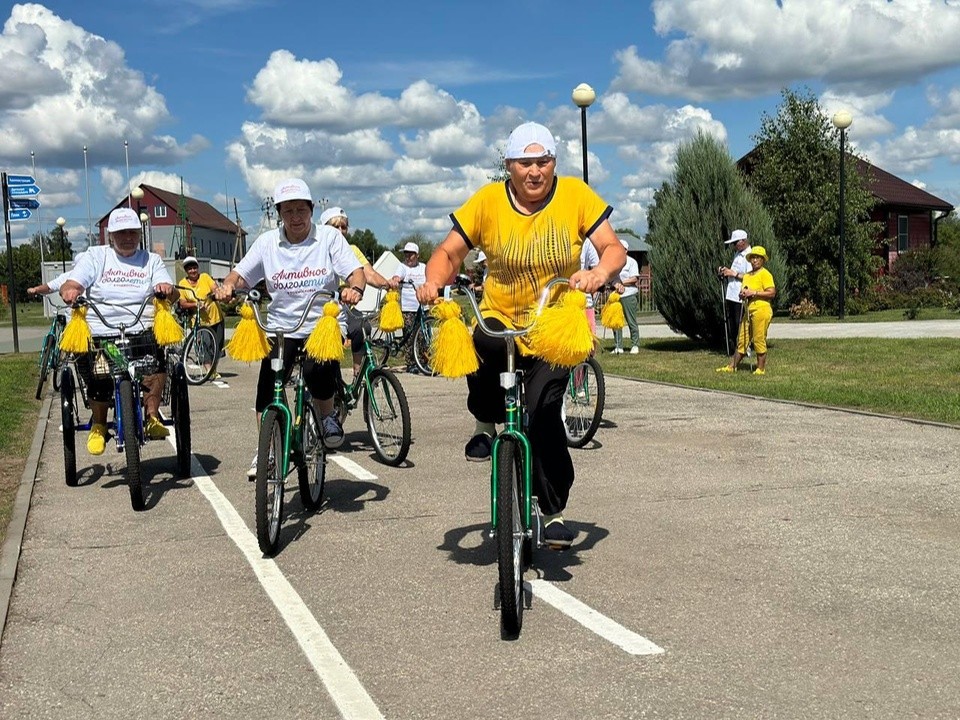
<point>422,348</point>
<point>194,355</point>
<point>56,363</point>
<point>311,474</point>
<point>510,538</point>
<point>180,408</point>
<point>387,414</point>
<point>131,442</point>
<point>269,490</point>
<point>45,360</point>
<point>68,415</point>
<point>583,402</point>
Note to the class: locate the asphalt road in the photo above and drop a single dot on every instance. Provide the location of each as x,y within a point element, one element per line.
<point>789,561</point>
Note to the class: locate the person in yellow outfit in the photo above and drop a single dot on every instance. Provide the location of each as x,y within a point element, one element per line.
<point>758,292</point>
<point>202,286</point>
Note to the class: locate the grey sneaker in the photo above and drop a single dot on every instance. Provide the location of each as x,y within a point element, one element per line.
<point>332,431</point>
<point>252,472</point>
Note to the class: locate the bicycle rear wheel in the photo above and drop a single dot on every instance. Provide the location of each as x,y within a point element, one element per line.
<point>387,414</point>
<point>583,402</point>
<point>312,473</point>
<point>381,344</point>
<point>68,418</point>
<point>421,347</point>
<point>131,442</point>
<point>269,492</point>
<point>46,355</point>
<point>180,408</point>
<point>510,537</point>
<point>200,348</point>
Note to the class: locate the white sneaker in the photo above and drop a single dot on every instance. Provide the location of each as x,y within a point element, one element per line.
<point>634,350</point>
<point>618,351</point>
<point>252,472</point>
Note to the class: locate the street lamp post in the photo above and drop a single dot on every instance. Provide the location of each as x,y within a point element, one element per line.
<point>583,97</point>
<point>841,121</point>
<point>144,225</point>
<point>137,194</point>
<point>61,221</point>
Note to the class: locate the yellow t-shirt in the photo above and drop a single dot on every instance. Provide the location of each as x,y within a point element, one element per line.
<point>759,280</point>
<point>524,252</point>
<point>209,310</point>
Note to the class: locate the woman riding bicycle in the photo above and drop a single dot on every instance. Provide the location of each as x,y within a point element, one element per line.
<point>119,277</point>
<point>531,229</point>
<point>210,316</point>
<point>294,261</point>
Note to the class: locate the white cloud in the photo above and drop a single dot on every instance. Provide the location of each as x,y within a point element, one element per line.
<point>743,48</point>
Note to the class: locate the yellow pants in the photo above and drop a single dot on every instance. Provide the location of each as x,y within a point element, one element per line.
<point>754,327</point>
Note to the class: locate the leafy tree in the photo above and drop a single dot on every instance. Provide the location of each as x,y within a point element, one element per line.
<point>795,170</point>
<point>58,245</point>
<point>366,240</point>
<point>426,247</point>
<point>500,172</point>
<point>26,269</point>
<point>691,217</point>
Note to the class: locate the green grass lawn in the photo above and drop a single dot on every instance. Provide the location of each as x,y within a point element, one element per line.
<point>18,384</point>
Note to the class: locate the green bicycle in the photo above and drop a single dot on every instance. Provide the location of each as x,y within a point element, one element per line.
<point>515,514</point>
<point>50,359</point>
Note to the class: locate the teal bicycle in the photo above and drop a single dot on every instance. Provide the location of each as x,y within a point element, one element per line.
<point>514,512</point>
<point>50,358</point>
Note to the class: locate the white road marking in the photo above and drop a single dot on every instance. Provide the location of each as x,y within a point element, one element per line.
<point>343,686</point>
<point>351,467</point>
<point>603,626</point>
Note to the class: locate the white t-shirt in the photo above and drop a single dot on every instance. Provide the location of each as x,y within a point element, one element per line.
<point>742,266</point>
<point>408,293</point>
<point>294,271</point>
<point>630,269</point>
<point>589,259</point>
<point>123,282</point>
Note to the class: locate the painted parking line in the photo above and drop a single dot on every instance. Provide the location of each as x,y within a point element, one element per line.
<point>341,683</point>
<point>594,621</point>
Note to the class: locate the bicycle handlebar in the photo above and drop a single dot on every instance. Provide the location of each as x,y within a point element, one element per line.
<point>121,327</point>
<point>462,283</point>
<point>253,297</point>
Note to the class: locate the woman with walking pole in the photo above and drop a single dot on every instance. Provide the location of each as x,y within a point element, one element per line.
<point>757,294</point>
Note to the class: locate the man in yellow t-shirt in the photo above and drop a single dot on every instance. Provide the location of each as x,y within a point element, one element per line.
<point>758,292</point>
<point>202,286</point>
<point>531,229</point>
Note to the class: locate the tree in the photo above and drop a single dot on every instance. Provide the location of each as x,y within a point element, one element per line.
<point>426,247</point>
<point>691,217</point>
<point>366,240</point>
<point>58,245</point>
<point>26,269</point>
<point>795,170</point>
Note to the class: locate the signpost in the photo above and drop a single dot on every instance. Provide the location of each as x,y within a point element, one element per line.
<point>18,200</point>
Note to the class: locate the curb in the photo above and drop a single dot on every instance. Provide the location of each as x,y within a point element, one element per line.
<point>10,553</point>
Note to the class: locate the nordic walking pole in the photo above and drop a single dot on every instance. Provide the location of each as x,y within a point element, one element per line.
<point>723,304</point>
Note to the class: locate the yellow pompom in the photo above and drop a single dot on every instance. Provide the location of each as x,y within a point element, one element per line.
<point>166,329</point>
<point>76,336</point>
<point>612,315</point>
<point>326,342</point>
<point>391,316</point>
<point>249,343</point>
<point>561,333</point>
<point>451,348</point>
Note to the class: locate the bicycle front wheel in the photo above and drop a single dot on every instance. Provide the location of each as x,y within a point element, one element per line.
<point>131,442</point>
<point>199,350</point>
<point>421,348</point>
<point>68,418</point>
<point>583,402</point>
<point>312,473</point>
<point>510,537</point>
<point>46,357</point>
<point>387,414</point>
<point>269,493</point>
<point>180,408</point>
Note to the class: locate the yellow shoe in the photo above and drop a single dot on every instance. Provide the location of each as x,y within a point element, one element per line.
<point>97,439</point>
<point>156,430</point>
<point>725,368</point>
<point>758,371</point>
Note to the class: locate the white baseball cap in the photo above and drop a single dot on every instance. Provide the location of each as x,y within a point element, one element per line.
<point>291,189</point>
<point>330,213</point>
<point>411,247</point>
<point>530,133</point>
<point>626,245</point>
<point>481,256</point>
<point>735,236</point>
<point>123,219</point>
<point>190,260</point>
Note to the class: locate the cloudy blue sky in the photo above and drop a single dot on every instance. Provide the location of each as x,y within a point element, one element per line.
<point>395,110</point>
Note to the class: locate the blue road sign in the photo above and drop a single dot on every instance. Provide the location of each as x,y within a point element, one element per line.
<point>22,190</point>
<point>20,180</point>
<point>19,214</point>
<point>27,203</point>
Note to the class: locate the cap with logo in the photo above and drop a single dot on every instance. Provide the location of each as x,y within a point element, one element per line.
<point>123,219</point>
<point>292,189</point>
